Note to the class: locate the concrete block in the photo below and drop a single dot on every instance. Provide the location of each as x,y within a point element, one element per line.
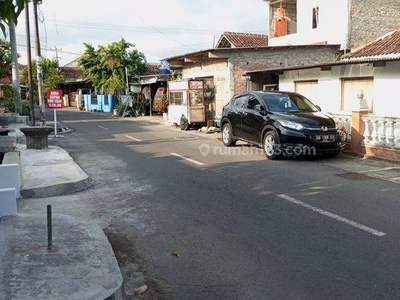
<point>9,178</point>
<point>8,202</point>
<point>36,137</point>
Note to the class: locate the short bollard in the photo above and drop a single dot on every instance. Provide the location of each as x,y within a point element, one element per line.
<point>49,229</point>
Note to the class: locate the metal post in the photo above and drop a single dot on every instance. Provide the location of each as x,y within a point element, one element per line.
<point>55,123</point>
<point>49,229</point>
<point>29,59</point>
<point>150,101</point>
<point>127,81</point>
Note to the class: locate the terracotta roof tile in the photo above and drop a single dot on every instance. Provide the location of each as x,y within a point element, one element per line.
<point>242,40</point>
<point>387,46</point>
<point>151,69</point>
<point>72,72</point>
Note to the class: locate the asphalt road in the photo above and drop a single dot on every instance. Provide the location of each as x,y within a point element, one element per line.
<point>241,226</point>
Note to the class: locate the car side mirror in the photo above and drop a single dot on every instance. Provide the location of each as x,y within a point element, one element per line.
<point>259,108</point>
<point>318,107</point>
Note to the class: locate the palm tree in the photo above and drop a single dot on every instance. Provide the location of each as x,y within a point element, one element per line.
<point>9,13</point>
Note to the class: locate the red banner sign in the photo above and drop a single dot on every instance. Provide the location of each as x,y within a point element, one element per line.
<point>54,99</point>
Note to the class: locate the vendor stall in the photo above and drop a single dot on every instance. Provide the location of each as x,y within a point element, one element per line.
<point>186,103</point>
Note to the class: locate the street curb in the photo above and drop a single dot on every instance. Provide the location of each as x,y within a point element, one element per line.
<point>82,264</point>
<point>57,190</point>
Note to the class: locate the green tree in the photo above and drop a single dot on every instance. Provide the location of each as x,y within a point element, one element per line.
<point>52,75</point>
<point>9,13</point>
<point>5,59</point>
<point>106,65</point>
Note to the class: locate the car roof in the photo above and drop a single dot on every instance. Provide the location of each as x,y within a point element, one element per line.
<point>263,93</point>
<point>271,92</point>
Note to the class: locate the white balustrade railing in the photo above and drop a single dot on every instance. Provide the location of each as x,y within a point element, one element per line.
<point>382,132</point>
<point>344,122</point>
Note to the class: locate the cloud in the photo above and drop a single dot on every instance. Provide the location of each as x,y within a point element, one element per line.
<point>159,29</point>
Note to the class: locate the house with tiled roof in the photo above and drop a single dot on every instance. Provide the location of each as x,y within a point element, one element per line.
<point>379,64</point>
<point>74,81</point>
<point>222,68</point>
<point>241,40</point>
<point>326,50</point>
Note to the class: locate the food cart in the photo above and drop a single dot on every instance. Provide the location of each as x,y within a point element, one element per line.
<point>186,103</point>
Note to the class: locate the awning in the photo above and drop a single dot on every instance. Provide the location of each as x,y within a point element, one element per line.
<point>148,79</point>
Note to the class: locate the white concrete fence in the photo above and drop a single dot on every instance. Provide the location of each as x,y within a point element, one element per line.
<point>382,132</point>
<point>9,189</point>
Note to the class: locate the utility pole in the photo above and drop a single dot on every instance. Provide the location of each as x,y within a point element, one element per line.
<point>29,59</point>
<point>56,50</point>
<point>39,65</point>
<point>14,67</point>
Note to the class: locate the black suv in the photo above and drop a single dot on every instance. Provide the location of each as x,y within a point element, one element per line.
<point>282,123</point>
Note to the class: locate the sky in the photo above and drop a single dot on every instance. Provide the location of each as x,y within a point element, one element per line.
<point>159,29</point>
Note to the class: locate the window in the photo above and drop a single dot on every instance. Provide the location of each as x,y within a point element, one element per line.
<point>177,98</point>
<point>240,101</point>
<point>196,98</point>
<point>315,17</point>
<point>252,103</point>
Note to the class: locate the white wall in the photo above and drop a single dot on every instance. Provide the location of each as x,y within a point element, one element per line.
<point>333,24</point>
<point>10,177</point>
<point>328,86</point>
<point>8,203</point>
<point>387,90</point>
<point>386,85</point>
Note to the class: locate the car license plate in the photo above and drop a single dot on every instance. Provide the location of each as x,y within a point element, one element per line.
<point>324,138</point>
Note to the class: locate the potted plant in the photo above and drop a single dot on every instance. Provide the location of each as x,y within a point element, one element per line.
<point>164,104</point>
<point>142,107</point>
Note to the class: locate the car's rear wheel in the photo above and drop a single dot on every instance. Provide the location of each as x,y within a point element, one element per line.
<point>227,137</point>
<point>271,145</point>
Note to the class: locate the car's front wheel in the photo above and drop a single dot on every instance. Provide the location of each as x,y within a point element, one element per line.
<point>271,145</point>
<point>227,137</point>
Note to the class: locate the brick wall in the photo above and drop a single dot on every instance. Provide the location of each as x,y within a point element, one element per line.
<point>228,70</point>
<point>373,18</point>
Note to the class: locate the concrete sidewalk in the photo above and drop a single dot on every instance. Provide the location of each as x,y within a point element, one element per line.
<point>81,263</point>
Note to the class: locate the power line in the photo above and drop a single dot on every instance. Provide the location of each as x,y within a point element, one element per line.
<point>53,50</point>
<point>149,28</point>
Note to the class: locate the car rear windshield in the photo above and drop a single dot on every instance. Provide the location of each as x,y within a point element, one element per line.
<point>288,103</point>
